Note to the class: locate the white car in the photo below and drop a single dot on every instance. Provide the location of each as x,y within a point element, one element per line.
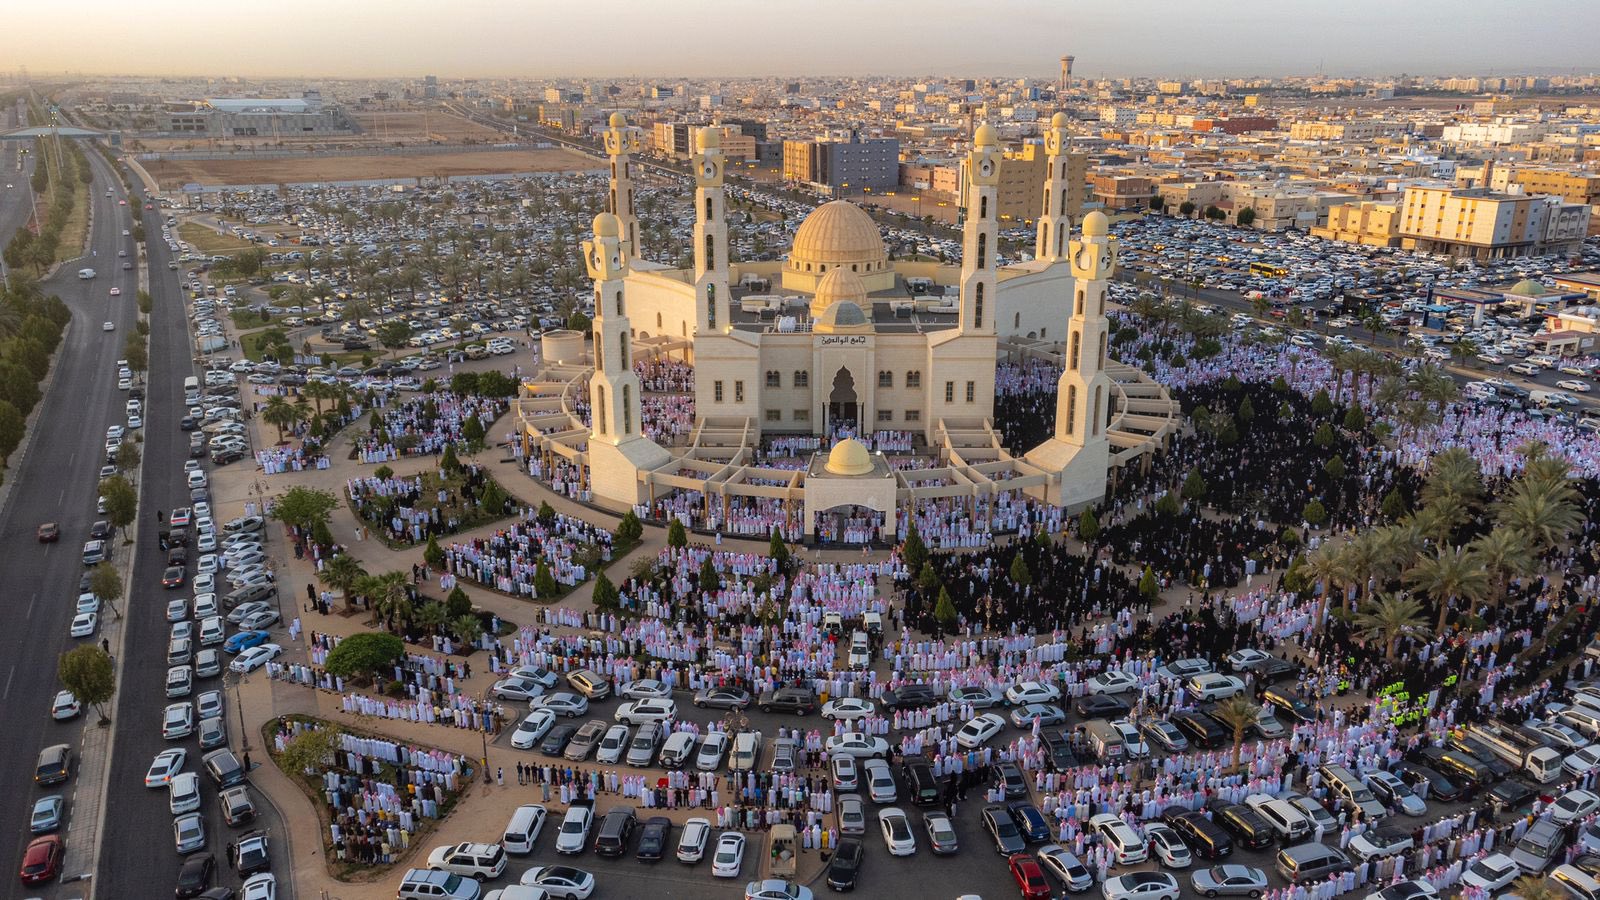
<point>858,745</point>
<point>1583,760</point>
<point>729,856</point>
<point>1491,873</point>
<point>1141,886</point>
<point>848,709</point>
<point>1248,658</point>
<point>1120,837</point>
<point>84,624</point>
<point>469,860</point>
<point>564,882</point>
<point>1214,686</point>
<point>612,745</point>
<point>897,833</point>
<point>259,621</point>
<point>1060,862</point>
<point>177,721</point>
<point>562,704</point>
<point>573,835</point>
<point>692,843</point>
<point>646,689</point>
<point>108,326</point>
<point>713,746</point>
<point>244,609</point>
<point>979,729</point>
<point>1573,806</point>
<point>254,658</point>
<point>1111,682</point>
<point>532,729</point>
<point>177,610</point>
<point>1573,384</point>
<point>638,712</point>
<point>189,833</point>
<point>260,887</point>
<point>1032,692</point>
<point>183,793</point>
<point>1170,849</point>
<point>167,764</point>
<point>65,706</point>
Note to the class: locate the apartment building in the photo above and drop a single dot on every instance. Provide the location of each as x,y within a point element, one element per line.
<point>1362,130</point>
<point>1122,191</point>
<point>1367,222</point>
<point>1487,224</point>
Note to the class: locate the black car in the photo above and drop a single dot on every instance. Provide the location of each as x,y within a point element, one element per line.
<point>223,457</point>
<point>911,696</point>
<point>1290,704</point>
<point>1058,749</point>
<point>556,740</point>
<point>100,530</point>
<point>1510,795</point>
<point>1275,670</point>
<point>653,838</point>
<point>1244,824</point>
<point>1008,777</point>
<point>1206,838</point>
<point>195,875</point>
<point>1200,729</point>
<point>920,780</point>
<point>1479,751</point>
<point>1100,706</point>
<point>845,865</point>
<point>188,423</point>
<point>799,701</point>
<point>1439,787</point>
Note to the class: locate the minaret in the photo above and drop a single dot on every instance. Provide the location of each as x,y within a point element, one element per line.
<point>1079,449</point>
<point>1055,220</point>
<point>981,234</point>
<point>621,143</point>
<point>710,235</point>
<point>618,449</point>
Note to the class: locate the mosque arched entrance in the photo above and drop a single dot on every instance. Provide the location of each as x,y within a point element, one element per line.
<point>843,406</point>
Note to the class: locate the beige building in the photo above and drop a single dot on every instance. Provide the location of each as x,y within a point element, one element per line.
<point>1367,222</point>
<point>1486,224</point>
<point>1363,130</point>
<point>847,349</point>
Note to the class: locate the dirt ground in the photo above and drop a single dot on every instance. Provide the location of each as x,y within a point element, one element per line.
<point>379,128</point>
<point>176,173</point>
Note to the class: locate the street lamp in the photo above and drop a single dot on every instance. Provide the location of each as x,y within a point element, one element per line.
<point>232,680</point>
<point>483,732</point>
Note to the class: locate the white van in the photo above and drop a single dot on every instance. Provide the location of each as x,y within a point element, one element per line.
<point>860,651</point>
<point>85,274</point>
<point>523,829</point>
<point>191,385</point>
<point>746,751</point>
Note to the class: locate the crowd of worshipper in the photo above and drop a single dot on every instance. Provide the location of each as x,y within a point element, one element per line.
<point>564,548</point>
<point>1060,590</point>
<point>378,793</point>
<point>410,509</point>
<point>424,424</point>
<point>664,376</point>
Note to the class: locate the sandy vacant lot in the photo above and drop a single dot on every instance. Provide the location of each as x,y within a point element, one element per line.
<point>176,173</point>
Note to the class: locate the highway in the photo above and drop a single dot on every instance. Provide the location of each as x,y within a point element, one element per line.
<point>141,862</point>
<point>56,481</point>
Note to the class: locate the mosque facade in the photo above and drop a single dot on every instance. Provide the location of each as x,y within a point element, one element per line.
<point>840,342</point>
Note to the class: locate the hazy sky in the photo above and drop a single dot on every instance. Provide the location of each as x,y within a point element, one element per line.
<point>465,38</point>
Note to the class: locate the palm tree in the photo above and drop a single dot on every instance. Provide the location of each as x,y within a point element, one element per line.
<point>1504,553</point>
<point>1389,394</point>
<point>1390,618</point>
<point>1537,887</point>
<point>344,572</point>
<point>390,595</point>
<point>1399,545</point>
<point>1448,575</point>
<point>1453,473</point>
<point>431,616</point>
<point>1329,566</point>
<point>280,413</point>
<point>467,629</point>
<point>1543,515</point>
<point>1238,713</point>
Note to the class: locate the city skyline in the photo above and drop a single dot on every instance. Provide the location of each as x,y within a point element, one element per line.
<point>612,38</point>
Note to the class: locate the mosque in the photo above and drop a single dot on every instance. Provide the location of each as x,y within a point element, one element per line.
<point>837,346</point>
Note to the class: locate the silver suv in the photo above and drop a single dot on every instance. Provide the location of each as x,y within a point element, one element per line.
<point>422,884</point>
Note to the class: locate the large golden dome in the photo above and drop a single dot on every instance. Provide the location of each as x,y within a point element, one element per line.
<point>838,235</point>
<point>849,457</point>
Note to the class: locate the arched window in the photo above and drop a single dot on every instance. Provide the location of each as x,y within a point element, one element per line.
<point>708,209</point>
<point>622,345</point>
<point>983,207</point>
<point>1016,321</point>
<point>1077,301</point>
<point>627,409</point>
<point>1072,407</point>
<point>711,305</point>
<point>711,252</point>
<point>600,408</point>
<point>1094,423</point>
<point>853,268</point>
<point>983,251</point>
<point>802,378</point>
<point>1102,310</point>
<point>619,303</point>
<point>1072,358</point>
<point>613,190</point>
<point>658,320</point>
<point>977,307</point>
<point>1062,209</point>
<point>1061,239</point>
<point>1102,353</point>
<point>914,379</point>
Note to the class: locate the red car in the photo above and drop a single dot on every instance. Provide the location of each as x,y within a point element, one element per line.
<point>49,532</point>
<point>42,860</point>
<point>1029,876</point>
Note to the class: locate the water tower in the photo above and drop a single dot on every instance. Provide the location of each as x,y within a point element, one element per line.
<point>1066,76</point>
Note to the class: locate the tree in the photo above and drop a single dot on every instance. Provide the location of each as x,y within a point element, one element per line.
<point>1542,514</point>
<point>87,672</point>
<point>1450,574</point>
<point>777,549</point>
<point>106,583</point>
<point>1149,587</point>
<point>433,554</point>
<point>12,428</point>
<point>280,414</point>
<point>1237,714</point>
<point>128,457</point>
<point>1194,486</point>
<point>1323,436</point>
<point>1355,419</point>
<point>303,507</point>
<point>1394,505</point>
<point>1186,208</point>
<point>913,551</point>
<point>546,514</point>
<point>630,529</point>
<point>1321,403</point>
<point>1215,214</point>
<point>1334,467</point>
<point>457,603</point>
<point>306,754</point>
<point>927,579</point>
<point>677,537</point>
<point>579,322</point>
<point>394,335</point>
<point>343,573</point>
<point>605,593</point>
<point>1020,576</point>
<point>544,583</point>
<point>135,352</point>
<point>1246,411</point>
<point>945,609</point>
<point>1390,618</point>
<point>472,435</point>
<point>1245,218</point>
<point>468,629</point>
<point>1088,525</point>
<point>390,596</point>
<point>710,581</point>
<point>431,617</point>
<point>1504,553</point>
<point>1314,513</point>
<point>122,501</point>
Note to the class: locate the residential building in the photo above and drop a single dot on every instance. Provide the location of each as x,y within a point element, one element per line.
<point>1487,224</point>
<point>1367,222</point>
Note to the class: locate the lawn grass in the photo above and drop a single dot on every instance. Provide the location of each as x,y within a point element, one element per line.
<point>76,229</point>
<point>205,240</point>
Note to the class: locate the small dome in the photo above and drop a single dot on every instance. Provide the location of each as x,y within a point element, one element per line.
<point>985,136</point>
<point>1527,287</point>
<point>836,234</point>
<point>849,457</point>
<point>1059,120</point>
<point>1095,224</point>
<point>607,225</point>
<point>708,138</point>
<point>618,120</point>
<point>840,285</point>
